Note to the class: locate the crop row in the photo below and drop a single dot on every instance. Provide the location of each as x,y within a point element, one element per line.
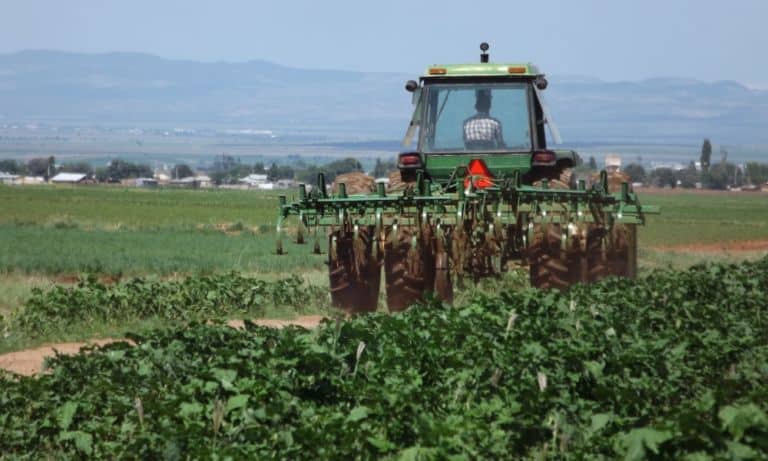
<point>672,366</point>
<point>193,298</point>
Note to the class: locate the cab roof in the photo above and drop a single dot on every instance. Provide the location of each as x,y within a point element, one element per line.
<point>481,70</point>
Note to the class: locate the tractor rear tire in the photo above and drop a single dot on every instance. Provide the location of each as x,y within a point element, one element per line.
<point>550,266</point>
<point>408,268</point>
<point>353,271</point>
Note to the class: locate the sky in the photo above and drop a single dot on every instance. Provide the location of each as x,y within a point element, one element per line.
<point>611,39</point>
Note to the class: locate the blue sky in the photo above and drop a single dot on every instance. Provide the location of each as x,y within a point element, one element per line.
<point>614,40</point>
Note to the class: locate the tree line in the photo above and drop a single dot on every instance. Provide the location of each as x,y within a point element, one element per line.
<point>721,174</point>
<point>225,169</point>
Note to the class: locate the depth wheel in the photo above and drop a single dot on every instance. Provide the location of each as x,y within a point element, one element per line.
<point>550,266</point>
<point>354,273</point>
<point>408,268</point>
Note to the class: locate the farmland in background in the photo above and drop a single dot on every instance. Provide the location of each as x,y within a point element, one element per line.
<point>53,235</point>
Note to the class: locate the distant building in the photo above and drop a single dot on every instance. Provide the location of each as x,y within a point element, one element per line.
<point>253,180</point>
<point>676,166</point>
<point>192,182</point>
<point>70,178</point>
<point>31,180</point>
<point>146,182</point>
<point>7,178</point>
<point>285,184</point>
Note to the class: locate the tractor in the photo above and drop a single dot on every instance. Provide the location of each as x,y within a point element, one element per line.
<point>479,189</point>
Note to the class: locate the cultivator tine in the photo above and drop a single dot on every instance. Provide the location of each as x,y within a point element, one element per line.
<point>300,230</point>
<point>316,246</point>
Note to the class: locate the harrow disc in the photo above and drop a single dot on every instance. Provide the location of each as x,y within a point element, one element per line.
<point>550,265</point>
<point>612,254</point>
<point>354,271</point>
<point>409,267</point>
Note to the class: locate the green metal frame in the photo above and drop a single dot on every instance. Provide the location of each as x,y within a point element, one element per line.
<point>510,203</point>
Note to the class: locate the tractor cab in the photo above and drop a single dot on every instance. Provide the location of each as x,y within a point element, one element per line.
<point>488,112</point>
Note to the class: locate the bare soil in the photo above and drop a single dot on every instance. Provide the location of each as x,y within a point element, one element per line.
<point>743,246</point>
<point>30,361</point>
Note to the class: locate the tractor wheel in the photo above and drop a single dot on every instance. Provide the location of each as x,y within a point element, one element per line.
<point>550,266</point>
<point>353,271</point>
<point>408,268</point>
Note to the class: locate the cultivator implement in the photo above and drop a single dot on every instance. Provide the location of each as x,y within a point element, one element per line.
<point>480,192</point>
<point>429,235</point>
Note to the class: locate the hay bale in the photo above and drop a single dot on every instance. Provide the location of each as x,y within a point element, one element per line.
<point>357,183</point>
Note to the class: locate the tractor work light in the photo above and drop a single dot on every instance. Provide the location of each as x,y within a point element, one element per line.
<point>544,157</point>
<point>409,160</point>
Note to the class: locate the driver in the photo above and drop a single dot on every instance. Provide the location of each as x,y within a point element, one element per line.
<point>481,131</point>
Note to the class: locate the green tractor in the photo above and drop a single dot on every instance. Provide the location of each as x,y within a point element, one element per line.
<point>482,189</point>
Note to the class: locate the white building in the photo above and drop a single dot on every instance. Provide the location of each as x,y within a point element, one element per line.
<point>69,178</point>
<point>254,180</point>
<point>7,178</point>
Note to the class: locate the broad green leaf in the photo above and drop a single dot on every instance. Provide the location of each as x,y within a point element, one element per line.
<point>381,443</point>
<point>737,419</point>
<point>83,440</point>
<point>65,414</point>
<point>235,402</point>
<point>357,414</point>
<point>190,409</point>
<point>638,440</point>
<point>600,420</point>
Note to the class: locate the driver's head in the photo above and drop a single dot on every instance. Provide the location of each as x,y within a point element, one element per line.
<point>483,100</point>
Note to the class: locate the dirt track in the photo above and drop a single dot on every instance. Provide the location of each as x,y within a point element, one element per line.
<point>29,362</point>
<point>718,247</point>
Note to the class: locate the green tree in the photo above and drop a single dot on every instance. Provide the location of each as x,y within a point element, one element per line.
<point>592,163</point>
<point>382,169</point>
<point>77,167</point>
<point>42,166</point>
<point>118,170</point>
<point>689,176</point>
<point>706,154</point>
<point>755,173</point>
<point>722,175</point>
<point>663,177</point>
<point>635,172</point>
<point>182,170</point>
<point>12,167</point>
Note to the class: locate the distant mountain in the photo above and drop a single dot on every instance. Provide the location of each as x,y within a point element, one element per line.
<point>132,88</point>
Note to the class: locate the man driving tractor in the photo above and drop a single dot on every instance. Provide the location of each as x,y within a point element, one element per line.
<point>481,131</point>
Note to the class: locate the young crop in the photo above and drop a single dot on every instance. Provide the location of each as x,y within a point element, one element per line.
<point>673,366</point>
<point>208,297</point>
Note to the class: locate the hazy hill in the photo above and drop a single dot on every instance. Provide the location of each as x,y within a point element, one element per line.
<point>136,88</point>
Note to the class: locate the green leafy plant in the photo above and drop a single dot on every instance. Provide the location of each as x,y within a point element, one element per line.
<point>672,366</point>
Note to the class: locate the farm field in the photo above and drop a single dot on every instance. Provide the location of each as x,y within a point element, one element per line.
<point>599,372</point>
<point>55,234</point>
<point>671,366</point>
